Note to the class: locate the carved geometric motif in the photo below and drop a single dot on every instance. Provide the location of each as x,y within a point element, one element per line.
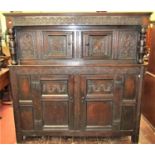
<point>78,20</point>
<point>57,45</point>
<point>100,86</point>
<point>54,87</point>
<point>127,45</point>
<point>27,44</point>
<point>100,46</point>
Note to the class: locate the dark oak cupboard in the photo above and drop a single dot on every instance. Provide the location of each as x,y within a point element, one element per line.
<point>77,74</point>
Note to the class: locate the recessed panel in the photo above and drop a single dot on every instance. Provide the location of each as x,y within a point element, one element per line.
<point>97,45</point>
<point>127,117</point>
<point>130,87</point>
<point>57,44</point>
<point>24,87</point>
<point>99,113</point>
<point>26,117</point>
<point>55,113</point>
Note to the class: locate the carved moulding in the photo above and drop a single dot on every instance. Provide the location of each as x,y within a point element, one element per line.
<point>76,20</point>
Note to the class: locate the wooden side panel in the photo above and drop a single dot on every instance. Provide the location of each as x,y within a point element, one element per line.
<point>129,101</point>
<point>127,117</point>
<point>130,87</point>
<point>24,87</point>
<point>26,117</point>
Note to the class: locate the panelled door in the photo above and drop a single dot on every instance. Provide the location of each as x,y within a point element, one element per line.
<point>45,102</point>
<point>57,44</point>
<point>97,44</point>
<point>57,101</point>
<point>100,102</point>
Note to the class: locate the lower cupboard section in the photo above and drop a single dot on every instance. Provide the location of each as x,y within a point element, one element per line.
<point>105,103</point>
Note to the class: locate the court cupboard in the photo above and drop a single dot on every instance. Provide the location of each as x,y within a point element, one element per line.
<point>77,74</point>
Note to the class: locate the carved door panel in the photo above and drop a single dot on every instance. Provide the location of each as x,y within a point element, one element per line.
<point>100,101</point>
<point>97,44</point>
<point>57,101</point>
<point>57,45</point>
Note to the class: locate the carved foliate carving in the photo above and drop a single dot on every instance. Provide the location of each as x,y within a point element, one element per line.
<point>100,86</point>
<point>127,45</point>
<point>55,87</point>
<point>27,45</point>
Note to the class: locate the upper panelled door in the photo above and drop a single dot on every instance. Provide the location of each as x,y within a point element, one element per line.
<point>97,44</point>
<point>57,101</point>
<point>100,102</point>
<point>57,44</point>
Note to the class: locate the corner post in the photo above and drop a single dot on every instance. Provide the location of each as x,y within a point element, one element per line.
<point>142,46</point>
<point>12,46</point>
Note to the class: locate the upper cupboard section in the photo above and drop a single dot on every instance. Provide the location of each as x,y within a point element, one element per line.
<point>50,44</point>
<point>38,44</point>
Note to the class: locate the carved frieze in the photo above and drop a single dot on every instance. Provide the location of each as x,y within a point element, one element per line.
<point>77,20</point>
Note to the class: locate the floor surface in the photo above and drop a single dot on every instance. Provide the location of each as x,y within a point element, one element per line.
<point>8,136</point>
